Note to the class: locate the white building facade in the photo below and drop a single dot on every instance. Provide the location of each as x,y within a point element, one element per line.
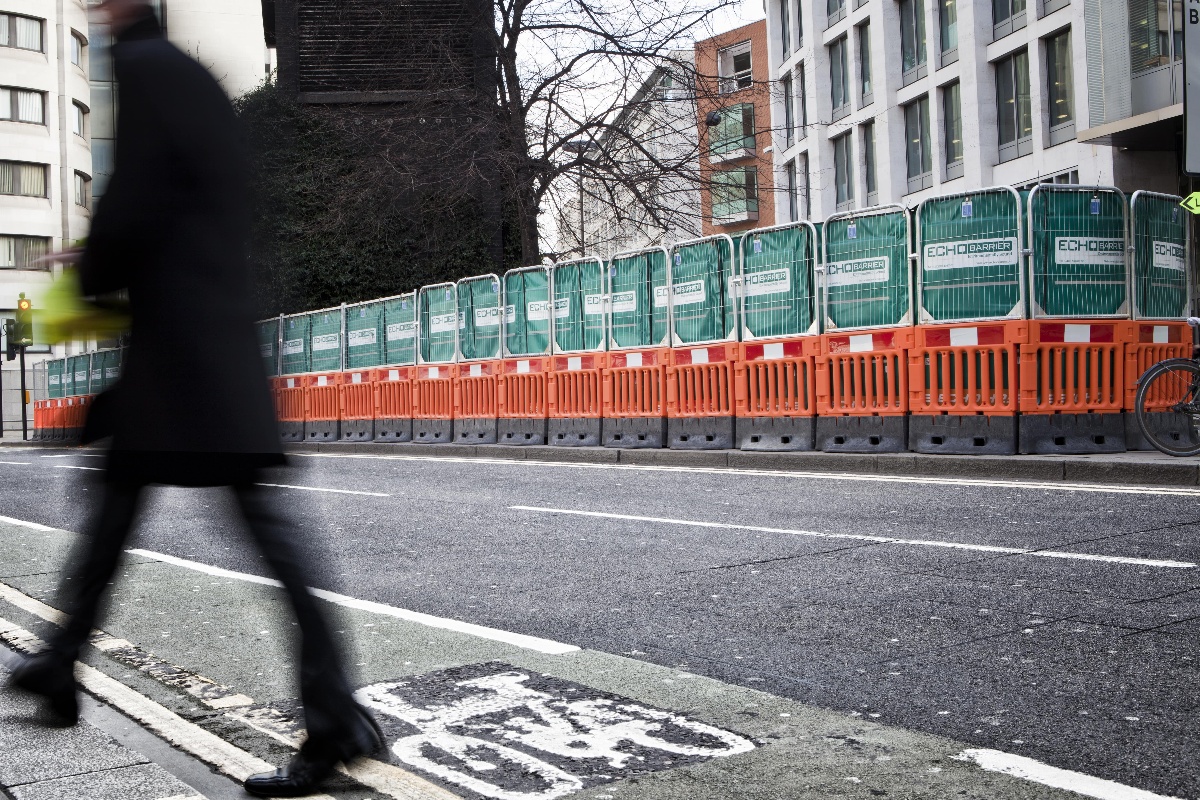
<point>892,101</point>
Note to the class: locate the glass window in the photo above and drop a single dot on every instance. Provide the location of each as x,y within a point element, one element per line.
<point>912,34</point>
<point>805,187</point>
<point>948,24</point>
<point>789,118</point>
<point>22,105</point>
<point>734,67</point>
<point>734,132</point>
<point>77,46</point>
<point>1059,85</point>
<point>1003,13</point>
<point>868,143</point>
<point>838,81</point>
<point>19,252</point>
<point>843,168</point>
<point>82,190</point>
<point>952,112</point>
<point>916,134</point>
<point>834,7</point>
<point>801,106</point>
<point>785,26</point>
<point>864,60</point>
<point>78,125</point>
<point>792,193</point>
<point>24,33</point>
<point>24,180</point>
<point>1015,119</point>
<point>735,192</point>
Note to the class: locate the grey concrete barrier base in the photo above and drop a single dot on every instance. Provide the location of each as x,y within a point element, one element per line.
<point>862,434</point>
<point>1175,427</point>
<point>963,434</point>
<point>357,430</point>
<point>775,434</point>
<point>393,430</point>
<point>634,432</point>
<point>1071,434</point>
<point>432,431</point>
<point>583,432</point>
<point>291,431</point>
<point>475,431</point>
<point>321,430</point>
<point>701,433</point>
<point>522,431</point>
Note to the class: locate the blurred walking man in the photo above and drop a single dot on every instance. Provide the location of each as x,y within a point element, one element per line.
<point>192,407</point>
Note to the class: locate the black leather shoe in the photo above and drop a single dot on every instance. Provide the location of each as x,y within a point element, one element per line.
<point>54,682</point>
<point>317,760</point>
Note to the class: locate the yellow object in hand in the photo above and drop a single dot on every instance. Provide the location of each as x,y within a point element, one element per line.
<point>66,315</point>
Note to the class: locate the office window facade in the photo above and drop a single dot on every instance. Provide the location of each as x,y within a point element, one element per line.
<point>801,104</point>
<point>1007,16</point>
<point>1060,89</point>
<point>78,120</point>
<point>786,90</point>
<point>1155,34</point>
<point>916,133</point>
<point>735,194</point>
<point>785,27</point>
<point>793,191</point>
<point>77,47</point>
<point>912,40</point>
<point>1014,122</point>
<point>948,31</point>
<point>839,80</point>
<point>835,11</point>
<point>843,169</point>
<point>20,252</point>
<point>952,136</point>
<point>734,133</point>
<point>22,105</point>
<point>735,68</point>
<point>863,34</point>
<point>83,190</point>
<point>23,33</point>
<point>22,179</point>
<point>868,146</point>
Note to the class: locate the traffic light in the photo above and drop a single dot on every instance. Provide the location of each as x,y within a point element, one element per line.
<point>10,339</point>
<point>24,327</point>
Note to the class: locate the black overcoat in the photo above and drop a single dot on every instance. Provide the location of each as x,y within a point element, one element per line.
<point>192,405</point>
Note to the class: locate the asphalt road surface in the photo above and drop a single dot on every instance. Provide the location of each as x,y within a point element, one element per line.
<point>1057,624</point>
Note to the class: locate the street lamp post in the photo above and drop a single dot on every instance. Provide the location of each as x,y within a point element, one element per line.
<point>580,147</point>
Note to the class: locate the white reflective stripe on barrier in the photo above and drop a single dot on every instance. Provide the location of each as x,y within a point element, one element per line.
<point>862,343</point>
<point>393,374</point>
<point>773,350</point>
<point>575,363</point>
<point>522,367</point>
<point>1077,333</point>
<point>291,383</point>
<point>433,373</point>
<point>964,337</point>
<point>476,370</point>
<point>633,360</point>
<point>356,377</point>
<point>322,380</point>
<point>1161,333</point>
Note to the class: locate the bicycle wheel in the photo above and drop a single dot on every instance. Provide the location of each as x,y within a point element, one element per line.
<point>1168,406</point>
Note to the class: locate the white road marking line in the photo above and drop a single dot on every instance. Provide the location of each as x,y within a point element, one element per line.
<point>75,466</point>
<point>1031,770</point>
<point>517,639</point>
<point>78,455</point>
<point>26,524</point>
<point>317,489</point>
<point>930,480</point>
<point>17,463</point>
<point>983,548</point>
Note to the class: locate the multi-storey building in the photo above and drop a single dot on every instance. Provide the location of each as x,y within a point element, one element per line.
<point>891,101</point>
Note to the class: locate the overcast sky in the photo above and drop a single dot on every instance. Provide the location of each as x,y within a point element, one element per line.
<point>745,12</point>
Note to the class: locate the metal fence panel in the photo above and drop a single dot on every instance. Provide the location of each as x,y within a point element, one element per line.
<point>437,323</point>
<point>364,335</point>
<point>1161,274</point>
<point>1079,265</point>
<point>268,345</point>
<point>579,307</point>
<point>777,289</point>
<point>479,317</point>
<point>326,337</point>
<point>639,299</point>
<point>702,308</point>
<point>400,329</point>
<point>80,373</point>
<point>527,311</point>
<point>866,266</point>
<point>970,255</point>
<point>54,378</point>
<point>295,344</point>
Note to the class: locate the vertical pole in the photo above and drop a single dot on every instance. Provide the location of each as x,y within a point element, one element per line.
<point>342,342</point>
<point>24,402</point>
<point>582,229</point>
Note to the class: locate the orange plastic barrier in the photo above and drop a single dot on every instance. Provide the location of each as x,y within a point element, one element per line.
<point>356,396</point>
<point>289,398</point>
<point>321,397</point>
<point>635,384</point>
<point>1073,367</point>
<point>1147,343</point>
<point>393,388</point>
<point>475,390</point>
<point>966,368</point>
<point>776,379</point>
<point>521,389</point>
<point>576,384</point>
<point>700,382</point>
<point>863,374</point>
<point>433,391</point>
<point>55,421</point>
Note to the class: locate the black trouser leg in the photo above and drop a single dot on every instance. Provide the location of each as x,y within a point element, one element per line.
<point>329,706</point>
<point>94,566</point>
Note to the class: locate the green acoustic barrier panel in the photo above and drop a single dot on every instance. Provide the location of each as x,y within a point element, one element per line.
<point>295,344</point>
<point>527,312</point>
<point>400,330</point>
<point>1160,277</point>
<point>96,372</point>
<point>703,308</point>
<point>325,336</point>
<point>638,314</point>
<point>867,272</point>
<point>268,345</point>
<point>579,306</point>
<point>479,317</point>
<point>970,259</point>
<point>365,335</point>
<point>438,322</point>
<point>1078,246</point>
<point>54,379</point>
<point>80,374</point>
<point>778,284</point>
